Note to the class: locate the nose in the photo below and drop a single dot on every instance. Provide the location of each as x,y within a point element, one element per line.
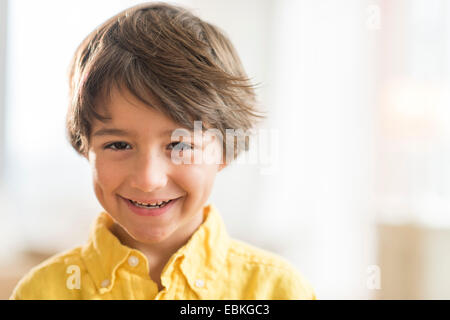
<point>149,173</point>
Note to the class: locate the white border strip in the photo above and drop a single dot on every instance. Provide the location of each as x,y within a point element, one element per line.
<point>3,32</point>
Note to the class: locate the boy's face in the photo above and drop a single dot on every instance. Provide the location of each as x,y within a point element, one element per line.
<point>138,166</point>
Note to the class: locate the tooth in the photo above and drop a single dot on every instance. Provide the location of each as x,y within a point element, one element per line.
<point>151,204</point>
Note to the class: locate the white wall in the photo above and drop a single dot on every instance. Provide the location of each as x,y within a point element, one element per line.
<point>321,102</point>
<point>3,23</point>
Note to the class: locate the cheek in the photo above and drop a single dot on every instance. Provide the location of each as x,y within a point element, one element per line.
<point>196,180</point>
<point>106,175</point>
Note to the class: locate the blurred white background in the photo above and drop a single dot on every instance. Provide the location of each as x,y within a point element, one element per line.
<point>359,199</point>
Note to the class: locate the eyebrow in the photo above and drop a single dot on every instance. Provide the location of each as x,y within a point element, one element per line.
<point>123,132</point>
<point>112,132</point>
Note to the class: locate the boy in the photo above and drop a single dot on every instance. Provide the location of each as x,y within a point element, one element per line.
<point>134,83</point>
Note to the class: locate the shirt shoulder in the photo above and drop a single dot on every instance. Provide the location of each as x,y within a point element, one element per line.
<point>58,277</point>
<point>264,275</point>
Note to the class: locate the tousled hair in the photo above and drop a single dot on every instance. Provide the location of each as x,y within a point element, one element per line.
<point>169,59</point>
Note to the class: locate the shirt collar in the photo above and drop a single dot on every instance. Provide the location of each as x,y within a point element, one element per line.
<point>202,256</point>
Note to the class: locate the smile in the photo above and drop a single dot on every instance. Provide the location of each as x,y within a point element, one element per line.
<point>160,204</point>
<point>152,208</point>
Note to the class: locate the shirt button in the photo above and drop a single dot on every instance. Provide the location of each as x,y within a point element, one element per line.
<point>133,261</point>
<point>105,283</point>
<point>199,283</point>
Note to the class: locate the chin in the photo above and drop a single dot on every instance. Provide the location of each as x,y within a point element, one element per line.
<point>151,237</point>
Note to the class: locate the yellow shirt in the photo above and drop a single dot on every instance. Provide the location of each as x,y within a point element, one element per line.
<point>210,265</point>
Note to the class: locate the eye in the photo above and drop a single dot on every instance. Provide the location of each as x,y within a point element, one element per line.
<point>180,146</point>
<point>117,146</point>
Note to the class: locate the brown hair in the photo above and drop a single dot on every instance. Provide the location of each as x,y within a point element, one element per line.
<point>163,51</point>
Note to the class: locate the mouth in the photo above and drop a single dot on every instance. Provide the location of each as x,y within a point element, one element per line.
<point>154,208</point>
<point>156,205</point>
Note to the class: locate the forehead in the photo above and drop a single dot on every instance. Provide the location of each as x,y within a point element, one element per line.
<point>124,110</point>
<point>131,117</point>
